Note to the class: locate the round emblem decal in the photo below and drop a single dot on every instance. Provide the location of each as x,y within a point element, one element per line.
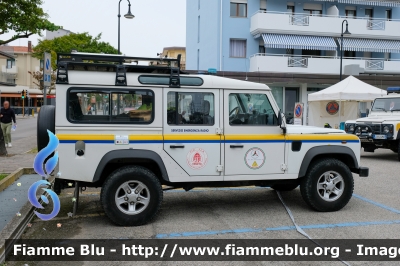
<point>255,158</point>
<point>298,111</point>
<point>197,158</point>
<point>332,108</point>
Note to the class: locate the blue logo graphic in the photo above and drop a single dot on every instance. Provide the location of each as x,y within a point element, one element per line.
<point>47,64</point>
<point>45,169</point>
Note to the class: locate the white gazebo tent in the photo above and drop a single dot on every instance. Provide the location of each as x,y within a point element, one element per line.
<point>347,95</point>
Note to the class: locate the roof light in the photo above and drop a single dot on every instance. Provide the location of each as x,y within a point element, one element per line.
<point>393,90</point>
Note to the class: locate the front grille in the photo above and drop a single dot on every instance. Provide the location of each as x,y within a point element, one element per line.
<point>376,129</point>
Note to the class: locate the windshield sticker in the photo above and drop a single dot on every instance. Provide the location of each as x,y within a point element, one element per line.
<point>255,158</point>
<point>197,158</point>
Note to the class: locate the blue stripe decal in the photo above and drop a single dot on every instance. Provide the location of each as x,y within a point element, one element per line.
<point>112,141</point>
<point>203,141</point>
<point>193,141</point>
<point>281,228</point>
<point>377,204</point>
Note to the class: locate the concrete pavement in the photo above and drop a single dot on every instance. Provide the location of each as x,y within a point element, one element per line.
<point>23,141</point>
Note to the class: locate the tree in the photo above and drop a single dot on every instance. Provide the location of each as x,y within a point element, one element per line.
<point>24,17</point>
<point>38,77</point>
<point>81,42</point>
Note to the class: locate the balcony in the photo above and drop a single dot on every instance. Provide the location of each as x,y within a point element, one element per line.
<point>323,65</point>
<point>12,72</point>
<point>324,25</point>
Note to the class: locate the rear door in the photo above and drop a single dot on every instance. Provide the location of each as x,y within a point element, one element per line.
<point>254,143</point>
<point>191,122</point>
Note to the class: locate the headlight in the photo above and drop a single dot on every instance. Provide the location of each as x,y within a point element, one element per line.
<point>351,128</point>
<point>358,131</point>
<point>386,129</point>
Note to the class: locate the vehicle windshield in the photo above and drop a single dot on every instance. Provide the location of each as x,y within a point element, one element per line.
<point>386,104</point>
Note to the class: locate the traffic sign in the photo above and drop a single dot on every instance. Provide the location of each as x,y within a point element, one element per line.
<point>47,70</point>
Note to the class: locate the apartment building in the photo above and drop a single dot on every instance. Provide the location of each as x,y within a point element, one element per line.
<point>273,37</point>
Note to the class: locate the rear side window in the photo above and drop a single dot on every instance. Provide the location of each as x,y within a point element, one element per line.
<point>96,106</point>
<point>190,108</point>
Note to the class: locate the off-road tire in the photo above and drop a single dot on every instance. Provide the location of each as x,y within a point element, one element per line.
<point>46,121</point>
<point>308,185</point>
<point>122,175</point>
<point>287,187</point>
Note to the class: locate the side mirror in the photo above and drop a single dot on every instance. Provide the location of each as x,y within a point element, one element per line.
<point>280,118</point>
<point>280,122</point>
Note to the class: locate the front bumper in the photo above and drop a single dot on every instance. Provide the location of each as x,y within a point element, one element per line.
<point>361,171</point>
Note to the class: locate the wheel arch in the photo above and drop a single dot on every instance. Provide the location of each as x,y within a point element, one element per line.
<point>344,154</point>
<point>118,158</point>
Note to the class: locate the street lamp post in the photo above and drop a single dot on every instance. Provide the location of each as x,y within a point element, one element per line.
<point>128,15</point>
<point>346,33</point>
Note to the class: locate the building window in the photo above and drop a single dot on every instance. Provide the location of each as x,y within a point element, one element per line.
<point>198,29</point>
<point>290,51</point>
<point>261,49</point>
<point>388,14</point>
<point>349,54</point>
<point>190,108</point>
<point>317,13</point>
<point>238,48</point>
<point>369,12</point>
<point>263,5</point>
<point>351,13</point>
<point>238,9</point>
<point>10,63</point>
<point>290,9</point>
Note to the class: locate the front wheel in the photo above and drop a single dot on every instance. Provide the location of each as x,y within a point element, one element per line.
<point>328,185</point>
<point>131,196</point>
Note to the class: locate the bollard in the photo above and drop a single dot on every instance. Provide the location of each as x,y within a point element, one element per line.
<point>33,113</point>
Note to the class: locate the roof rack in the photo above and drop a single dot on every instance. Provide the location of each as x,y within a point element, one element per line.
<point>120,64</point>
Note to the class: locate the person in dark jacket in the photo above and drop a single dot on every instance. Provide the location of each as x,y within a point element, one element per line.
<point>7,116</point>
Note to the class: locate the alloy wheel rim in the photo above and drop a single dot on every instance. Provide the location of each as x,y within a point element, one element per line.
<point>132,197</point>
<point>330,186</point>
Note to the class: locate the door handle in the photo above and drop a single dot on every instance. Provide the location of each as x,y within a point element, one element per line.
<point>177,146</point>
<point>236,146</point>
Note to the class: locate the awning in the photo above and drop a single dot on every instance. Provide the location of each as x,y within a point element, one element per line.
<point>389,3</point>
<point>369,45</point>
<point>299,42</point>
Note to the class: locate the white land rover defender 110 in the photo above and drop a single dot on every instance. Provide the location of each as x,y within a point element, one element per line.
<point>381,129</point>
<point>136,130</point>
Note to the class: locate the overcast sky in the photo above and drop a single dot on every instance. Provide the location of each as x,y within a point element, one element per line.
<point>158,23</point>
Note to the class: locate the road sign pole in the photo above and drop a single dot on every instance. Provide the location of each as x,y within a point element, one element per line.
<point>46,76</point>
<point>44,95</point>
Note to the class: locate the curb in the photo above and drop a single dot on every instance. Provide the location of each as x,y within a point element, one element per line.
<point>14,229</point>
<point>11,178</point>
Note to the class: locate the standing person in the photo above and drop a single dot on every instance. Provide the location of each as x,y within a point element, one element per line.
<point>7,116</point>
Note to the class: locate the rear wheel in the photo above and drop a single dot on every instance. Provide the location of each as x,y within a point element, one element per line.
<point>131,196</point>
<point>45,121</point>
<point>328,185</point>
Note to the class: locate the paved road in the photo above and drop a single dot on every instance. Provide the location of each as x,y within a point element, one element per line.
<point>26,127</point>
<point>373,212</point>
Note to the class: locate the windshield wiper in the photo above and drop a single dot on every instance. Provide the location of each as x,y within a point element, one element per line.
<point>380,108</point>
